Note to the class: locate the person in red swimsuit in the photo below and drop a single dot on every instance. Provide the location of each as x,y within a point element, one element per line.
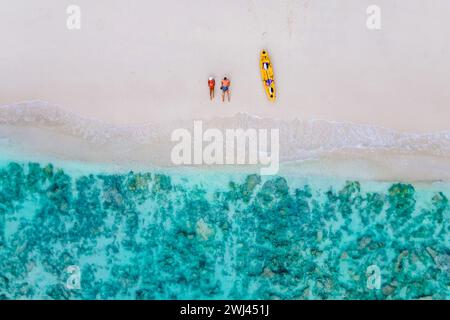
<point>211,85</point>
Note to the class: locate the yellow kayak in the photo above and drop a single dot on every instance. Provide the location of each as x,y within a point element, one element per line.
<point>267,75</point>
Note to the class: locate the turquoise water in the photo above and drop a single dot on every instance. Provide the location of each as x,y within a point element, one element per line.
<point>217,235</point>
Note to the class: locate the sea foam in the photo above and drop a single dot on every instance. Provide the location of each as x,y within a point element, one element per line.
<point>299,139</point>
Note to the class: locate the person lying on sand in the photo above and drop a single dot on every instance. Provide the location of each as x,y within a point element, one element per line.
<point>211,85</point>
<point>225,88</point>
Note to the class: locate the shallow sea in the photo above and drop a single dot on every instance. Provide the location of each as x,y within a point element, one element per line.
<point>79,231</point>
<point>84,230</point>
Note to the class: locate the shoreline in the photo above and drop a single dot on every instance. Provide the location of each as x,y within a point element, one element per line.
<point>313,148</point>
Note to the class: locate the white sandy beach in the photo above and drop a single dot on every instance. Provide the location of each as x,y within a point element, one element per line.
<point>142,61</point>
<point>145,64</point>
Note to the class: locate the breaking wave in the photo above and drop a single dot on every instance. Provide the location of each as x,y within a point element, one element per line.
<point>299,139</point>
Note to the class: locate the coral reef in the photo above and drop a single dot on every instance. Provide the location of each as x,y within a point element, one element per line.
<point>143,236</point>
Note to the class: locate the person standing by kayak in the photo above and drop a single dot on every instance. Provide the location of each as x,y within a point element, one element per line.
<point>225,88</point>
<point>211,85</point>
